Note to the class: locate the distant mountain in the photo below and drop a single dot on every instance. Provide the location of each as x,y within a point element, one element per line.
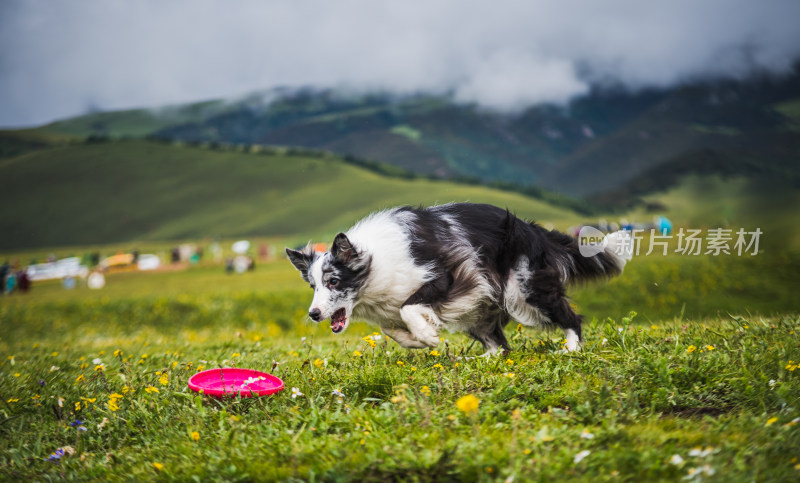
<point>598,143</point>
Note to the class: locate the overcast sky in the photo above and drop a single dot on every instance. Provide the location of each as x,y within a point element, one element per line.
<point>63,58</point>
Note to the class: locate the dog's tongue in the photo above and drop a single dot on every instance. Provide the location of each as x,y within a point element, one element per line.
<point>337,320</point>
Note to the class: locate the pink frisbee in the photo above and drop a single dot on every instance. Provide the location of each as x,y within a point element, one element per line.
<point>232,381</point>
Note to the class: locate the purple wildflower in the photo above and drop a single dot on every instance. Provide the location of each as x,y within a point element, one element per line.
<point>55,457</point>
<point>42,382</point>
<point>75,423</point>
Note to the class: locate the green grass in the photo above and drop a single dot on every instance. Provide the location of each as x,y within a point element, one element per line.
<point>137,191</point>
<point>718,374</point>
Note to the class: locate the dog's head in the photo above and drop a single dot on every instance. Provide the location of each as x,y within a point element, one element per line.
<point>336,276</point>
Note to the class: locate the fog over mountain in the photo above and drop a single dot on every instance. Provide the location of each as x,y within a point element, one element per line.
<point>59,59</point>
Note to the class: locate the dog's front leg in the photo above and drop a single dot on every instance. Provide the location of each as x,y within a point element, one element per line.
<point>422,322</point>
<point>403,337</point>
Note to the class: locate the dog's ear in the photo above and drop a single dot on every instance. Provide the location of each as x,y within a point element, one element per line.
<point>344,251</point>
<point>301,259</point>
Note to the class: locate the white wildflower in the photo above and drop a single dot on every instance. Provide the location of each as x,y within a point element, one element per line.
<point>296,393</point>
<point>701,453</point>
<point>676,460</point>
<point>586,434</point>
<point>97,360</point>
<point>580,456</point>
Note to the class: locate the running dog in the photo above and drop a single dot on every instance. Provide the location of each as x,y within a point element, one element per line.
<point>460,267</point>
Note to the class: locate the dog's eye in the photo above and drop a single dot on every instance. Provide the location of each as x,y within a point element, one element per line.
<point>333,282</point>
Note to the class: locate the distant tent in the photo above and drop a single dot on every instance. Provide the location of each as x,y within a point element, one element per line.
<point>663,225</point>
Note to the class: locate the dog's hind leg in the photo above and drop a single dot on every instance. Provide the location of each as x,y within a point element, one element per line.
<point>537,299</point>
<point>547,293</point>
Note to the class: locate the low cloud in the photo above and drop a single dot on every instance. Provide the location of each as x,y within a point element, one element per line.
<point>58,59</point>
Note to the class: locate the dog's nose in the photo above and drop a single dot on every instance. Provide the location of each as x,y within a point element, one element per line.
<point>315,315</point>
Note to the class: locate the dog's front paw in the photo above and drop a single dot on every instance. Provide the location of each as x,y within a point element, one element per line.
<point>430,340</point>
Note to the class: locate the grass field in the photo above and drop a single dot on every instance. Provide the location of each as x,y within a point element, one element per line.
<point>689,368</point>
<point>688,371</point>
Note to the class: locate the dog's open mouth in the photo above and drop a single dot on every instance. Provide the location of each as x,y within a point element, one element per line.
<point>338,320</point>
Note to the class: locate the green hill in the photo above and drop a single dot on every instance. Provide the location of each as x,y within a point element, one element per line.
<point>120,191</point>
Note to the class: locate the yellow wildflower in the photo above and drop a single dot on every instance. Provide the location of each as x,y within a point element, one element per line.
<point>80,378</point>
<point>78,406</point>
<point>236,354</point>
<point>117,353</point>
<point>150,389</point>
<point>164,379</point>
<point>357,353</point>
<point>468,404</point>
<point>435,353</point>
<point>413,368</point>
<point>99,368</point>
<point>771,421</point>
<point>12,400</point>
<point>84,365</point>
<point>158,466</point>
<point>89,399</point>
<point>691,349</point>
<point>54,354</point>
<point>438,366</point>
<point>509,362</point>
<point>401,363</point>
<point>195,436</point>
<point>710,347</point>
<point>17,374</point>
<point>318,363</point>
<point>425,390</point>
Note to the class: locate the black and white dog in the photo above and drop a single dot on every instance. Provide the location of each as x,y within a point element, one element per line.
<point>461,267</point>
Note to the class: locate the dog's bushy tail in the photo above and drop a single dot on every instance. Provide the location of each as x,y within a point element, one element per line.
<point>577,266</point>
